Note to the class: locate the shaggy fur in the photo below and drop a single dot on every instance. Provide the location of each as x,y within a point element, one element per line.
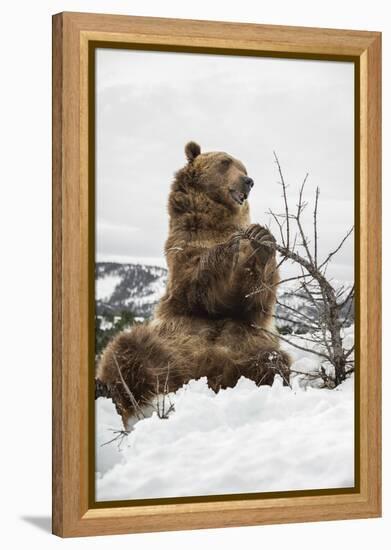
<point>210,320</point>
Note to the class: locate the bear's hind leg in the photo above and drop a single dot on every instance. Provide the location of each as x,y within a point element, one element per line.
<point>131,368</point>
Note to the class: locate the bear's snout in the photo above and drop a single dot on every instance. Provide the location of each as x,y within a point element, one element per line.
<point>248,183</point>
<point>242,189</point>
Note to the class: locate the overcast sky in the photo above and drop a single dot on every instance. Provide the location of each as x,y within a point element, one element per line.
<point>149,104</point>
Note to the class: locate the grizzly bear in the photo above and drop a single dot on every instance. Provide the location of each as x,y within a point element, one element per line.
<point>216,317</point>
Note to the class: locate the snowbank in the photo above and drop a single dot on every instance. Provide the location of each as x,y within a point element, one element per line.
<point>245,439</point>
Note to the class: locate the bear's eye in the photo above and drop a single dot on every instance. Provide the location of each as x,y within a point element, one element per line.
<point>225,162</point>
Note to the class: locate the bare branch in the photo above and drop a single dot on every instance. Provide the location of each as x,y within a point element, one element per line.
<point>319,354</point>
<point>300,208</point>
<point>347,315</point>
<point>321,314</point>
<point>347,298</point>
<point>280,263</point>
<point>326,261</point>
<point>285,200</point>
<point>315,374</point>
<point>316,227</point>
<point>295,311</point>
<point>280,225</point>
<point>293,278</point>
<point>349,352</point>
<point>311,340</point>
<point>287,319</point>
<point>120,436</point>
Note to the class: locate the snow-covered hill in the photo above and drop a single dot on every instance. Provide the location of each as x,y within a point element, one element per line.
<point>132,287</point>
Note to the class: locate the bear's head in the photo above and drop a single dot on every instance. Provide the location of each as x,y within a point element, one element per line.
<point>219,176</point>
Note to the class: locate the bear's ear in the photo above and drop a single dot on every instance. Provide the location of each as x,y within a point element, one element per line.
<point>192,150</point>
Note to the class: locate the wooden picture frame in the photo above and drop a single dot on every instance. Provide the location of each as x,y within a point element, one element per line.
<point>74,37</point>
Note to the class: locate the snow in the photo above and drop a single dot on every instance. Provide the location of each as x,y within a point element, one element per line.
<point>245,439</point>
<point>104,323</point>
<point>105,286</point>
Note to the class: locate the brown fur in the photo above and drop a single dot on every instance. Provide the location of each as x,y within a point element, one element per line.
<point>208,323</point>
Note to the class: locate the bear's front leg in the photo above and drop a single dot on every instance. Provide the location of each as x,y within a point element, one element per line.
<point>256,273</point>
<point>227,274</point>
<point>262,242</point>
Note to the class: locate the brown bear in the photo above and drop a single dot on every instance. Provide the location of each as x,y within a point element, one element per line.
<point>216,317</point>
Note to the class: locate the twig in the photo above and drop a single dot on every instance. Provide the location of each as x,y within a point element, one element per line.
<point>315,374</point>
<point>293,278</point>
<point>121,434</point>
<point>316,227</point>
<point>300,208</point>
<point>302,324</point>
<point>347,298</point>
<point>136,406</point>
<point>294,311</point>
<point>349,352</point>
<point>285,200</point>
<point>275,217</point>
<point>312,341</point>
<point>326,261</point>
<point>346,317</point>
